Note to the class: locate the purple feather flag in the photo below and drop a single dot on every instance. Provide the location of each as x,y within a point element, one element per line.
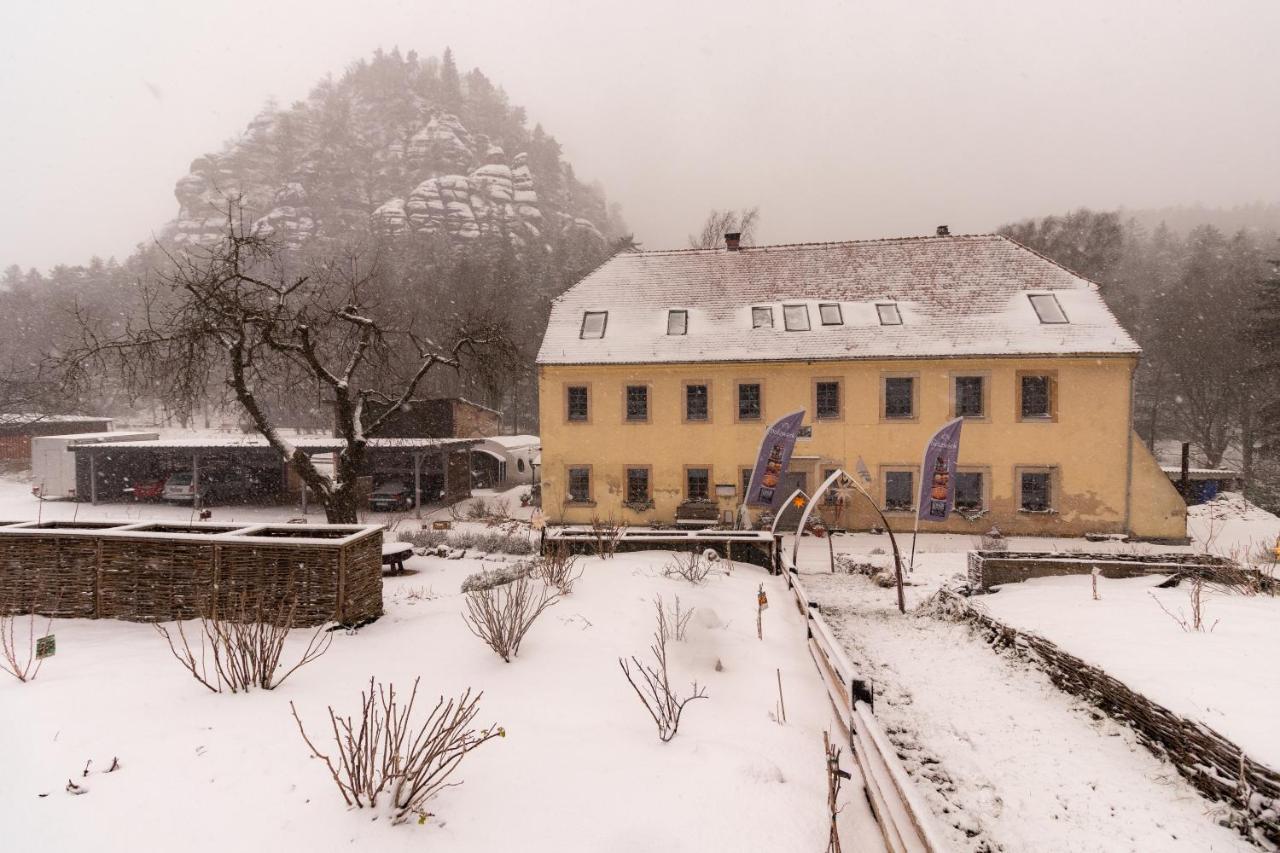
<point>938,473</point>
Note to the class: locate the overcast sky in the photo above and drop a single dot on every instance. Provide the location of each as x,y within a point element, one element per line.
<point>840,120</point>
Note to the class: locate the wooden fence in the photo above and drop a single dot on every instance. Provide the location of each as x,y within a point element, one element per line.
<point>155,571</point>
<point>1209,761</point>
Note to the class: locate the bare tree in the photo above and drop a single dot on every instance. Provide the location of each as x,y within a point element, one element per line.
<point>721,222</point>
<point>262,320</point>
<point>383,753</point>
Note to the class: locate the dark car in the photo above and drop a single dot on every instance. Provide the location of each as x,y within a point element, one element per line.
<point>391,496</point>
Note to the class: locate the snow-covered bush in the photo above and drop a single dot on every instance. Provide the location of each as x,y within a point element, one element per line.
<point>501,615</point>
<point>18,647</point>
<point>605,533</point>
<point>653,687</point>
<point>691,566</point>
<point>423,539</point>
<point>386,760</point>
<point>244,646</point>
<point>497,577</point>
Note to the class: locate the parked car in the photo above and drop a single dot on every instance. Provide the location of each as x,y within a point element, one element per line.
<point>218,484</point>
<point>391,496</point>
<point>149,488</point>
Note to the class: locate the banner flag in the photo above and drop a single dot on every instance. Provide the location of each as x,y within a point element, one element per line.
<point>772,461</point>
<point>938,473</point>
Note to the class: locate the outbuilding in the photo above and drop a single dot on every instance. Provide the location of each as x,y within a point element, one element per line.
<point>502,461</point>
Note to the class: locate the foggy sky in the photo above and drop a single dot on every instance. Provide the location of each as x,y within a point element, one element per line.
<point>840,120</point>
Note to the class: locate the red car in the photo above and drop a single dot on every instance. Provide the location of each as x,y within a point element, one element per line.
<point>151,489</point>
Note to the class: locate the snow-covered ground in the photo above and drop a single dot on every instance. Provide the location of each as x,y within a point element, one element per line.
<point>581,767</point>
<point>1007,760</point>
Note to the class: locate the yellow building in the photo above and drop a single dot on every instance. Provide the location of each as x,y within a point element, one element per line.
<point>660,371</point>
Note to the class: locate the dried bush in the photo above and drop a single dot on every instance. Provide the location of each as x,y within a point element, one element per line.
<point>559,568</point>
<point>502,615</point>
<point>835,776</point>
<point>383,753</point>
<point>664,705</point>
<point>677,618</point>
<point>18,655</point>
<point>1195,593</point>
<point>605,533</point>
<point>490,541</point>
<point>244,646</point>
<point>423,539</point>
<point>691,566</point>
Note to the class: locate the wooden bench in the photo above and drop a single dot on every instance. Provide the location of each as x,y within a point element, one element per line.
<point>394,554</point>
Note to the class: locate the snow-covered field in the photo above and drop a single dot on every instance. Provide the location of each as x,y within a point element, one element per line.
<point>581,767</point>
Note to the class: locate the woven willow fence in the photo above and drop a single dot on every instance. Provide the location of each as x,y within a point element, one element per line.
<point>1213,764</point>
<point>150,573</point>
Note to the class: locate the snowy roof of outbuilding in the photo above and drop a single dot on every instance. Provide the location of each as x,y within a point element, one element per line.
<point>957,296</point>
<point>513,442</point>
<point>256,442</point>
<point>23,418</point>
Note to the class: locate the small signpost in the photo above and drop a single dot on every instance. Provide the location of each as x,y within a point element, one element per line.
<point>45,647</point>
<point>762,604</point>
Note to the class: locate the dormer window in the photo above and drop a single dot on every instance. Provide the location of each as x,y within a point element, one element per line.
<point>762,317</point>
<point>830,314</point>
<point>593,323</point>
<point>1047,308</point>
<point>796,318</point>
<point>677,322</point>
<point>889,314</point>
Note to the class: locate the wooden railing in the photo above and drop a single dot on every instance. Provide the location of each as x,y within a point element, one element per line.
<point>906,822</point>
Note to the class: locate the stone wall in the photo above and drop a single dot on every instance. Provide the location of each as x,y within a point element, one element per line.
<point>992,568</point>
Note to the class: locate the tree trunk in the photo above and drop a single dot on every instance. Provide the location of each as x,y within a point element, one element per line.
<point>343,504</point>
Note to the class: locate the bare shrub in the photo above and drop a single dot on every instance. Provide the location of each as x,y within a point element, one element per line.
<point>491,541</point>
<point>692,566</point>
<point>502,615</point>
<point>663,704</point>
<point>383,753</point>
<point>1195,622</point>
<point>18,653</point>
<point>559,568</point>
<point>423,539</point>
<point>242,650</point>
<point>605,533</point>
<point>835,776</point>
<point>676,617</point>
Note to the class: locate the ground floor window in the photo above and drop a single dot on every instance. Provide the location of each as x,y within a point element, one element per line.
<point>1036,491</point>
<point>637,485</point>
<point>899,493</point>
<point>830,498</point>
<point>969,491</point>
<point>580,484</point>
<point>697,484</point>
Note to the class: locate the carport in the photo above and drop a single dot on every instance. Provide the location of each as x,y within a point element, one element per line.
<point>105,471</point>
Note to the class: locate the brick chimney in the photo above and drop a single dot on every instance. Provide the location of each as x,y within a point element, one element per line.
<point>944,231</point>
<point>732,240</point>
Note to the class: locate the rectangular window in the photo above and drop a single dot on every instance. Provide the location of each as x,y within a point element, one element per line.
<point>637,485</point>
<point>829,312</point>
<point>898,492</point>
<point>899,397</point>
<point>969,491</point>
<point>889,314</point>
<point>795,318</point>
<point>677,322</point>
<point>827,400</point>
<point>637,402</point>
<point>750,405</point>
<point>969,397</point>
<point>578,406</point>
<point>762,317</point>
<point>697,484</point>
<point>580,485</point>
<point>697,403</point>
<point>593,323</point>
<point>1037,396</point>
<point>1047,308</point>
<point>1036,491</point>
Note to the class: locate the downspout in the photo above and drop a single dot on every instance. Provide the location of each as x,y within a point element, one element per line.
<point>1128,450</point>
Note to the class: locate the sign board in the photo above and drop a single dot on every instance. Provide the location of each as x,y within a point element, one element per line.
<point>441,525</point>
<point>726,490</point>
<point>46,646</point>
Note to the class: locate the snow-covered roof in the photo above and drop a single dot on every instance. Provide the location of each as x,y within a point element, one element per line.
<point>312,445</point>
<point>514,442</point>
<point>957,296</point>
<point>22,418</point>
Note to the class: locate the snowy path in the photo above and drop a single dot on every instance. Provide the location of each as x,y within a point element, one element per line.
<point>1007,760</point>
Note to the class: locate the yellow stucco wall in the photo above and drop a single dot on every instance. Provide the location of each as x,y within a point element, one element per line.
<point>1087,445</point>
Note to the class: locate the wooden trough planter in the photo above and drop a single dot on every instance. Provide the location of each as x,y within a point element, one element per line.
<point>160,571</point>
<point>993,568</point>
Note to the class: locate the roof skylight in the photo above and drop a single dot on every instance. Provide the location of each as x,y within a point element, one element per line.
<point>889,314</point>
<point>762,317</point>
<point>1047,308</point>
<point>830,314</point>
<point>677,322</point>
<point>593,323</point>
<point>796,317</point>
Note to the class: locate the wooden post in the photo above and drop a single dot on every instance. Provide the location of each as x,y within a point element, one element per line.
<point>1184,485</point>
<point>93,479</point>
<point>195,481</point>
<point>417,484</point>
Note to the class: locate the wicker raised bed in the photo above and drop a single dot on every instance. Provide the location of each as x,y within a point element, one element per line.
<point>159,571</point>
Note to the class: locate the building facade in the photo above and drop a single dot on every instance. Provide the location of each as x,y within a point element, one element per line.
<point>661,370</point>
